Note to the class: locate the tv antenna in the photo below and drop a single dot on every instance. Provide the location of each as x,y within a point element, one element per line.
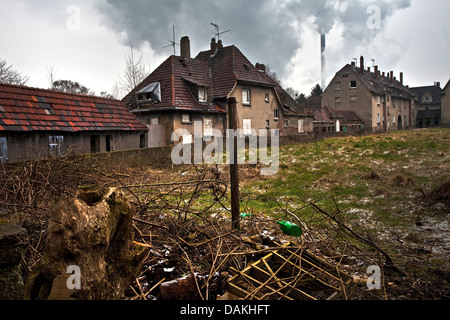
<point>218,33</point>
<point>172,42</point>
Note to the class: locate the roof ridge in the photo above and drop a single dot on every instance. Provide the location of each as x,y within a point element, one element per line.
<point>55,91</point>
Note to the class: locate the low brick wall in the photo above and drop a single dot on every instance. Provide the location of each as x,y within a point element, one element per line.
<point>132,158</point>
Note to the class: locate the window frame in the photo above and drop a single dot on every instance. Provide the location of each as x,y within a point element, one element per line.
<point>204,90</point>
<point>183,120</point>
<point>276,114</point>
<point>247,102</point>
<point>355,86</point>
<point>3,149</point>
<point>55,145</point>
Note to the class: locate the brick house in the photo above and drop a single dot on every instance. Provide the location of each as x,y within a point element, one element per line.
<point>37,123</point>
<point>183,90</point>
<point>378,98</point>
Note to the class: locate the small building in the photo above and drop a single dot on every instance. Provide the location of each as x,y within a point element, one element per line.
<point>428,105</point>
<point>37,123</point>
<point>381,100</point>
<point>328,119</point>
<point>183,91</point>
<point>445,105</point>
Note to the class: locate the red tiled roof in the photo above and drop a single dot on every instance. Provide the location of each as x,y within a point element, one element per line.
<point>31,109</point>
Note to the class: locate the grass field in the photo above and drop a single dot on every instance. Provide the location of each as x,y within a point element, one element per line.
<point>383,186</point>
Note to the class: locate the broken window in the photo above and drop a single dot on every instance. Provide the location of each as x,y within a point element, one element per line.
<point>267,98</point>
<point>150,93</point>
<point>185,118</point>
<point>95,143</point>
<point>352,84</point>
<point>202,94</point>
<point>247,126</point>
<point>207,127</point>
<point>246,99</point>
<point>3,150</point>
<point>55,145</point>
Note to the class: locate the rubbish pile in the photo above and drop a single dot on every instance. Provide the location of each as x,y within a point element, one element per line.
<point>266,259</point>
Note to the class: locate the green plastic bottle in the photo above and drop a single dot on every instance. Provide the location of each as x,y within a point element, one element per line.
<point>291,229</point>
<point>244,215</point>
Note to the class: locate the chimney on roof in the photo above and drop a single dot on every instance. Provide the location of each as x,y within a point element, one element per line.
<point>392,76</point>
<point>361,64</point>
<point>261,67</point>
<point>438,84</point>
<point>219,44</point>
<point>384,74</point>
<point>376,72</point>
<point>401,78</point>
<point>368,69</point>
<point>185,47</point>
<point>353,63</point>
<point>213,45</point>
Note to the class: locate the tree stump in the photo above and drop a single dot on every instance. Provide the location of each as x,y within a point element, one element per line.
<point>92,233</point>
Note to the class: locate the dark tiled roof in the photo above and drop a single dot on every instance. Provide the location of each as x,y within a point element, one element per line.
<point>436,113</point>
<point>378,85</point>
<point>434,91</point>
<point>31,109</point>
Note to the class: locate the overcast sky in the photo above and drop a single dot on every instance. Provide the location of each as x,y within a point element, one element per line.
<point>85,40</point>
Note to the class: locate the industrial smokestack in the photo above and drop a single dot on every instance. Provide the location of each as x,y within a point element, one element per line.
<point>323,62</point>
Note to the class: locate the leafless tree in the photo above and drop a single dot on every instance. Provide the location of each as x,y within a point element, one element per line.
<point>10,75</point>
<point>51,76</point>
<point>135,70</point>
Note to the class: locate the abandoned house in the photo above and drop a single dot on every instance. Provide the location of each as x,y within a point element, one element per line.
<point>37,123</point>
<point>428,105</point>
<point>184,90</point>
<point>329,120</point>
<point>445,105</point>
<point>382,101</point>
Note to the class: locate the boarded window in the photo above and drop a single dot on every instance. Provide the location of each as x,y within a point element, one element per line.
<point>247,126</point>
<point>55,145</point>
<point>3,149</point>
<point>154,120</point>
<point>185,118</point>
<point>207,127</point>
<point>187,139</point>
<point>353,99</point>
<point>337,100</point>
<point>301,126</point>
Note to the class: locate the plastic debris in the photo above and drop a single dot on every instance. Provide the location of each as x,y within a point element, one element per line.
<point>291,229</point>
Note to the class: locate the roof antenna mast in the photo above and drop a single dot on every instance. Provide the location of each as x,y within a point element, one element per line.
<point>218,33</point>
<point>172,42</point>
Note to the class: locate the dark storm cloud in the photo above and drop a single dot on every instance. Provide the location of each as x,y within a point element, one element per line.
<point>262,29</point>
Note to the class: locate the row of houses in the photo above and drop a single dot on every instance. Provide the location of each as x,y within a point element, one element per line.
<point>185,90</point>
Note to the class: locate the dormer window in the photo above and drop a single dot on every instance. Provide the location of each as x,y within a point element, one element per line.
<point>202,94</point>
<point>150,93</point>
